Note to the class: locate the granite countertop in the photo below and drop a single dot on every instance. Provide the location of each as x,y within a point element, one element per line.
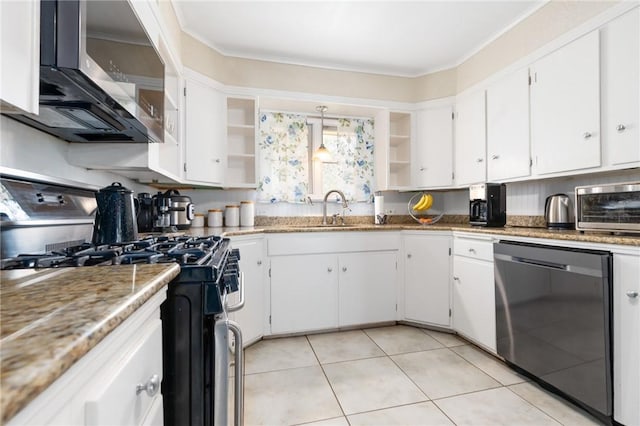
<point>50,318</point>
<point>514,231</point>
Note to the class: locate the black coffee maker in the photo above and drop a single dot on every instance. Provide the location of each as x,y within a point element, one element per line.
<point>488,204</point>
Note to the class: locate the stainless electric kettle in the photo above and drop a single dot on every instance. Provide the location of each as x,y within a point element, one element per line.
<point>558,212</point>
<point>116,215</point>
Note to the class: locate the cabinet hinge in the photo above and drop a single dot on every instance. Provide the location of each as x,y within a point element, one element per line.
<point>449,251</point>
<point>449,316</point>
<point>396,265</point>
<point>530,162</point>
<point>453,175</point>
<point>396,307</point>
<point>270,316</point>
<point>453,115</point>
<point>185,91</point>
<point>529,80</point>
<point>269,272</point>
<point>184,166</point>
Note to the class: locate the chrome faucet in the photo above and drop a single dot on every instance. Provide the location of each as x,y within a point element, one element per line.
<point>324,203</point>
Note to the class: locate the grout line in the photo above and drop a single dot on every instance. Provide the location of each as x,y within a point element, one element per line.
<point>534,406</point>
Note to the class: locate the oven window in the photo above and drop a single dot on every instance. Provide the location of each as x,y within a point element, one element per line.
<point>614,207</point>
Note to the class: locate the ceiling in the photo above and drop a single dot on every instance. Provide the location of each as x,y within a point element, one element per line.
<point>404,38</point>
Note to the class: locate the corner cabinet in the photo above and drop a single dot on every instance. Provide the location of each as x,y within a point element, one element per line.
<point>474,305</point>
<point>394,135</point>
<point>427,272</point>
<point>241,142</point>
<point>205,125</point>
<point>433,148</point>
<point>620,90</point>
<point>20,47</point>
<point>508,144</point>
<point>470,139</point>
<point>565,108</point>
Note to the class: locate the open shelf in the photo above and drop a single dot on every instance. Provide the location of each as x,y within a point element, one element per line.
<point>241,142</point>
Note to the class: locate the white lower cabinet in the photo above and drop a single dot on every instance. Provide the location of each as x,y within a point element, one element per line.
<point>304,293</point>
<point>100,389</point>
<point>626,339</point>
<point>474,303</point>
<point>367,288</point>
<point>426,278</point>
<point>252,265</point>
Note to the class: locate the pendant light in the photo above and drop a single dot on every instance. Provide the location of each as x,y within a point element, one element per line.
<point>322,153</point>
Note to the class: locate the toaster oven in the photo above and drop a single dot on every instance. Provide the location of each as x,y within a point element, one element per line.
<point>612,207</point>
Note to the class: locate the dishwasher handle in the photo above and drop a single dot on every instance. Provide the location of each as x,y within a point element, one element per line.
<point>594,272</point>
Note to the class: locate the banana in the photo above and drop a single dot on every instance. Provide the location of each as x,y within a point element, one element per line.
<point>418,206</point>
<point>429,202</point>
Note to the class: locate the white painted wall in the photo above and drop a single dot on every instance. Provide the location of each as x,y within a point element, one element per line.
<point>25,148</point>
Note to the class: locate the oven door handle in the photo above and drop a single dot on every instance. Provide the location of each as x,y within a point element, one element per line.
<point>238,390</point>
<point>240,303</point>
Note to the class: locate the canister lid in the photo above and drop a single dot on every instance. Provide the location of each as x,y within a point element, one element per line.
<point>215,210</point>
<point>246,202</point>
<point>232,206</point>
<point>199,214</point>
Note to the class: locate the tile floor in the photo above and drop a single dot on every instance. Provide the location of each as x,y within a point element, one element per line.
<point>397,375</point>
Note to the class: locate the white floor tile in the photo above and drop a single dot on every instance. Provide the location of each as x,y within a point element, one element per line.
<point>371,384</point>
<point>492,407</point>
<point>553,405</point>
<point>344,346</point>
<point>424,413</point>
<point>447,339</point>
<point>402,339</point>
<point>279,354</point>
<point>490,365</point>
<point>337,421</point>
<point>441,373</point>
<point>288,397</point>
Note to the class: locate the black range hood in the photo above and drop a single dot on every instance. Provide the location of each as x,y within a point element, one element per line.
<point>101,79</point>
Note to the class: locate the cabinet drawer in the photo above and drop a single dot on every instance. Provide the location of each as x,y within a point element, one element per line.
<point>475,249</point>
<point>113,400</point>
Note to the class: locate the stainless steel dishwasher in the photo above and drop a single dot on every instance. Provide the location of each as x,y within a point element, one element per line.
<point>553,319</point>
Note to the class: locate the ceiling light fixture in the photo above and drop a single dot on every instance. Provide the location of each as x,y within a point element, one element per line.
<point>322,153</point>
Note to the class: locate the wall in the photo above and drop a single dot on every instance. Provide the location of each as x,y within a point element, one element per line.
<point>28,149</point>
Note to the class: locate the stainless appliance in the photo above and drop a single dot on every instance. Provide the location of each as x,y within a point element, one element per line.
<point>116,216</point>
<point>37,216</point>
<point>612,207</point>
<point>181,209</point>
<point>101,78</point>
<point>558,212</point>
<point>553,319</point>
<point>161,215</point>
<point>488,204</point>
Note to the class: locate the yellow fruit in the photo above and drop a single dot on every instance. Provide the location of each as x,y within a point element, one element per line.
<point>418,206</point>
<point>429,202</point>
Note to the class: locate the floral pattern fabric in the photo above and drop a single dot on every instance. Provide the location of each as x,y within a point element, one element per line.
<point>284,154</point>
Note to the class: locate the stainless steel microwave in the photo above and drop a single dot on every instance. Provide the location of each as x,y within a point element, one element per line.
<point>613,207</point>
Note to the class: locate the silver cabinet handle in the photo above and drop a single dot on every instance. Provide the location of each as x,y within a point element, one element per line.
<point>329,269</point>
<point>216,160</point>
<point>472,250</point>
<point>259,262</point>
<point>408,255</point>
<point>151,387</point>
<point>239,374</point>
<point>495,157</point>
<point>240,303</point>
<point>621,128</point>
<point>632,294</point>
<point>344,269</point>
<point>587,135</point>
<point>456,278</point>
<point>479,160</point>
<point>422,169</point>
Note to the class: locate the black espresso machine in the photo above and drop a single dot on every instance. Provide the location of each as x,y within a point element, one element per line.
<point>488,204</point>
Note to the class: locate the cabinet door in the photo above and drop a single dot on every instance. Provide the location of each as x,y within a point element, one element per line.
<point>470,142</point>
<point>433,165</point>
<point>205,133</point>
<point>251,316</point>
<point>304,293</point>
<point>20,65</point>
<point>508,127</point>
<point>474,300</point>
<point>621,89</point>
<point>367,287</point>
<point>426,285</point>
<point>626,339</point>
<point>565,108</point>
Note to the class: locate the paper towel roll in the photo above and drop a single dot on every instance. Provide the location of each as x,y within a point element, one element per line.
<point>378,208</point>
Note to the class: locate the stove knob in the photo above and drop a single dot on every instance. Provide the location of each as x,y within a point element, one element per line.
<point>231,282</point>
<point>235,253</point>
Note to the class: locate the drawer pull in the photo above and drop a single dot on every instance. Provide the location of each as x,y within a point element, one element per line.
<point>151,387</point>
<point>632,294</point>
<point>472,250</point>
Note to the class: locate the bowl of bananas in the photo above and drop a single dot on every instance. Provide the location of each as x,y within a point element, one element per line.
<point>419,205</point>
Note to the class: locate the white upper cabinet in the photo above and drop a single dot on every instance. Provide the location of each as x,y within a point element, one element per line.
<point>620,67</point>
<point>393,134</point>
<point>470,139</point>
<point>433,146</point>
<point>565,108</point>
<point>20,47</point>
<point>241,143</point>
<point>508,154</point>
<point>205,126</point>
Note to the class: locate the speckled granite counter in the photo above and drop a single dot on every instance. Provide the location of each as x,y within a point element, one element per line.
<point>50,318</point>
<point>529,232</point>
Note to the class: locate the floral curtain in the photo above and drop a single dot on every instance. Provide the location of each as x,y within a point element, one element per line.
<point>352,151</point>
<point>283,158</point>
